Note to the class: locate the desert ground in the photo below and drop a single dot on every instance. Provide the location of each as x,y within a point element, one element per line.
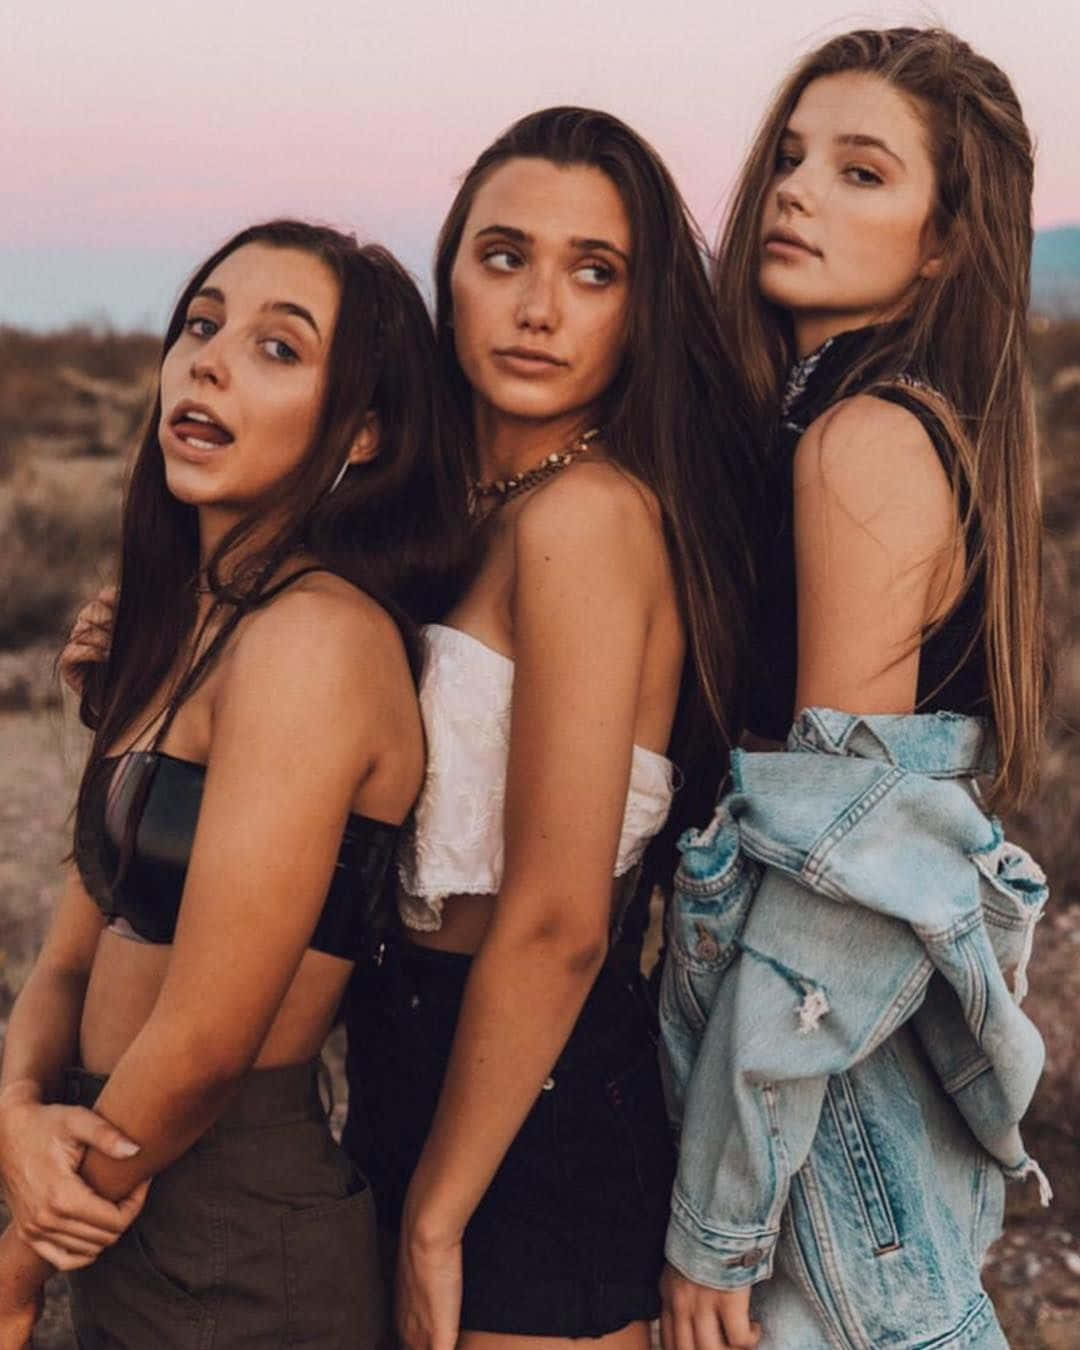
<point>70,408</point>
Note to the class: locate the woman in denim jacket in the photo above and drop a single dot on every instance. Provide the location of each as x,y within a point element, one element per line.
<point>844,1048</point>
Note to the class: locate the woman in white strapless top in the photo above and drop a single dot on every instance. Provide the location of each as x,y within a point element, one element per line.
<point>454,845</point>
<point>576,325</point>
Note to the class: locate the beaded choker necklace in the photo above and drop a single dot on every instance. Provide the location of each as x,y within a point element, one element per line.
<point>504,489</point>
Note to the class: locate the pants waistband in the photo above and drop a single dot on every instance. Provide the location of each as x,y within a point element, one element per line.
<point>289,1092</point>
<point>622,960</point>
<point>615,1018</point>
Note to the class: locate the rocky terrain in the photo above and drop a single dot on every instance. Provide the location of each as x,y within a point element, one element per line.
<point>70,406</point>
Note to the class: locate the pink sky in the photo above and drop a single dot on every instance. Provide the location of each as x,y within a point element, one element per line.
<point>155,129</point>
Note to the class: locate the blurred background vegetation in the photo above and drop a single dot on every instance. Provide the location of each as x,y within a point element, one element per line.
<point>71,406</point>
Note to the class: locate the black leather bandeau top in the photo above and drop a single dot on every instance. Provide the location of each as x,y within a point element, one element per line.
<point>167,793</point>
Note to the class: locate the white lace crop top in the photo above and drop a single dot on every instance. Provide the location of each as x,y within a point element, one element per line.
<point>454,843</point>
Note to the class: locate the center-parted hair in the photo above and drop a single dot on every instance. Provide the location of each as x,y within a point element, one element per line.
<point>964,331</point>
<point>671,416</point>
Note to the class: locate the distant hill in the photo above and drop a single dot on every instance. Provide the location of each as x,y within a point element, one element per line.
<point>1055,272</point>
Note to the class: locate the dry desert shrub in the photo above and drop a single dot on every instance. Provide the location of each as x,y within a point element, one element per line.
<point>59,525</point>
<point>71,404</point>
<point>32,397</point>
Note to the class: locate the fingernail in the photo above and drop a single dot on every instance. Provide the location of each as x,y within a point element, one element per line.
<point>126,1149</point>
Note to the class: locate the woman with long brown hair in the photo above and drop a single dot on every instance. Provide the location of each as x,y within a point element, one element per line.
<point>257,744</point>
<point>873,276</point>
<point>505,1095</point>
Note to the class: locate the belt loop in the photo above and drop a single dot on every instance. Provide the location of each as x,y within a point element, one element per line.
<point>324,1086</point>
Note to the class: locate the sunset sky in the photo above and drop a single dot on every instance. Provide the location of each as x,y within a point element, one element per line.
<point>135,135</point>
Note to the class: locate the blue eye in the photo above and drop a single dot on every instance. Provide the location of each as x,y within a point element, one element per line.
<point>200,326</point>
<point>857,173</point>
<point>278,350</point>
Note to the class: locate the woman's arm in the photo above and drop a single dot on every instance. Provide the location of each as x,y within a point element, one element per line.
<point>42,1146</point>
<point>293,731</point>
<point>57,1220</point>
<point>876,542</point>
<point>587,558</point>
<point>22,1276</point>
<point>43,1034</point>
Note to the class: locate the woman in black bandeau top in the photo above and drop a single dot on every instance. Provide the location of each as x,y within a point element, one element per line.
<point>257,744</point>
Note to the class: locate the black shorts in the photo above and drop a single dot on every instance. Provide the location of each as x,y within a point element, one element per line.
<point>568,1239</point>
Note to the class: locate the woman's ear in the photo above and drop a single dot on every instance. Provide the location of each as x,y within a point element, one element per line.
<point>366,446</point>
<point>935,247</point>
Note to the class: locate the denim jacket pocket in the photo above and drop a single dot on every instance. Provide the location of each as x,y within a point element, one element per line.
<point>881,1227</point>
<point>868,1184</point>
<point>1013,893</point>
<point>714,884</point>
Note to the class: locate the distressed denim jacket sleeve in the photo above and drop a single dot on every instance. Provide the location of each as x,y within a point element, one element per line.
<point>840,891</point>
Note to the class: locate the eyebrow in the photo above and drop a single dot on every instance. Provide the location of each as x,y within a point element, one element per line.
<point>874,142</point>
<point>850,138</point>
<point>584,244</point>
<point>277,306</point>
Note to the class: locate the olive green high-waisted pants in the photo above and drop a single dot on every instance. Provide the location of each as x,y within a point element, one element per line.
<point>261,1235</point>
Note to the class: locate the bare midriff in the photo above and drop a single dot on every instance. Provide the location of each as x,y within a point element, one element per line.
<point>127,977</point>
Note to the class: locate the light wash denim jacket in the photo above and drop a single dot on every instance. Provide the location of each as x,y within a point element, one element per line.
<point>843,1046</point>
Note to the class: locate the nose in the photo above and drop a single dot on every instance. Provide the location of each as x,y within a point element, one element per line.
<point>537,304</point>
<point>208,365</point>
<point>794,194</point>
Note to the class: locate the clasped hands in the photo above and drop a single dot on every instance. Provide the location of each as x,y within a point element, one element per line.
<point>41,1150</point>
<point>54,1212</point>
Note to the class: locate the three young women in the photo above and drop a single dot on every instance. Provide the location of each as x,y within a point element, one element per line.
<point>900,573</point>
<point>257,744</point>
<point>847,1060</point>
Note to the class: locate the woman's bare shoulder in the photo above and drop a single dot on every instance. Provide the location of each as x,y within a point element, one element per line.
<point>592,503</point>
<point>864,446</point>
<point>872,462</point>
<point>324,636</point>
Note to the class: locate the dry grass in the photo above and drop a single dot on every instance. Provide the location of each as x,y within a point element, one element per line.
<point>59,522</point>
<point>33,398</point>
<point>70,406</point>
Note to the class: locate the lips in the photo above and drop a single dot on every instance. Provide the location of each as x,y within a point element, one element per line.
<point>541,358</point>
<point>789,239</point>
<point>198,427</point>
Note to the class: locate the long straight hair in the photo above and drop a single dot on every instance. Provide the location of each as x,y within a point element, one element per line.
<point>671,416</point>
<point>395,526</point>
<point>965,332</point>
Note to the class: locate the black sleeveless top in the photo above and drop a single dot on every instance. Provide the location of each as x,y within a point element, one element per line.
<point>952,671</point>
<point>146,893</point>
<point>133,839</point>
